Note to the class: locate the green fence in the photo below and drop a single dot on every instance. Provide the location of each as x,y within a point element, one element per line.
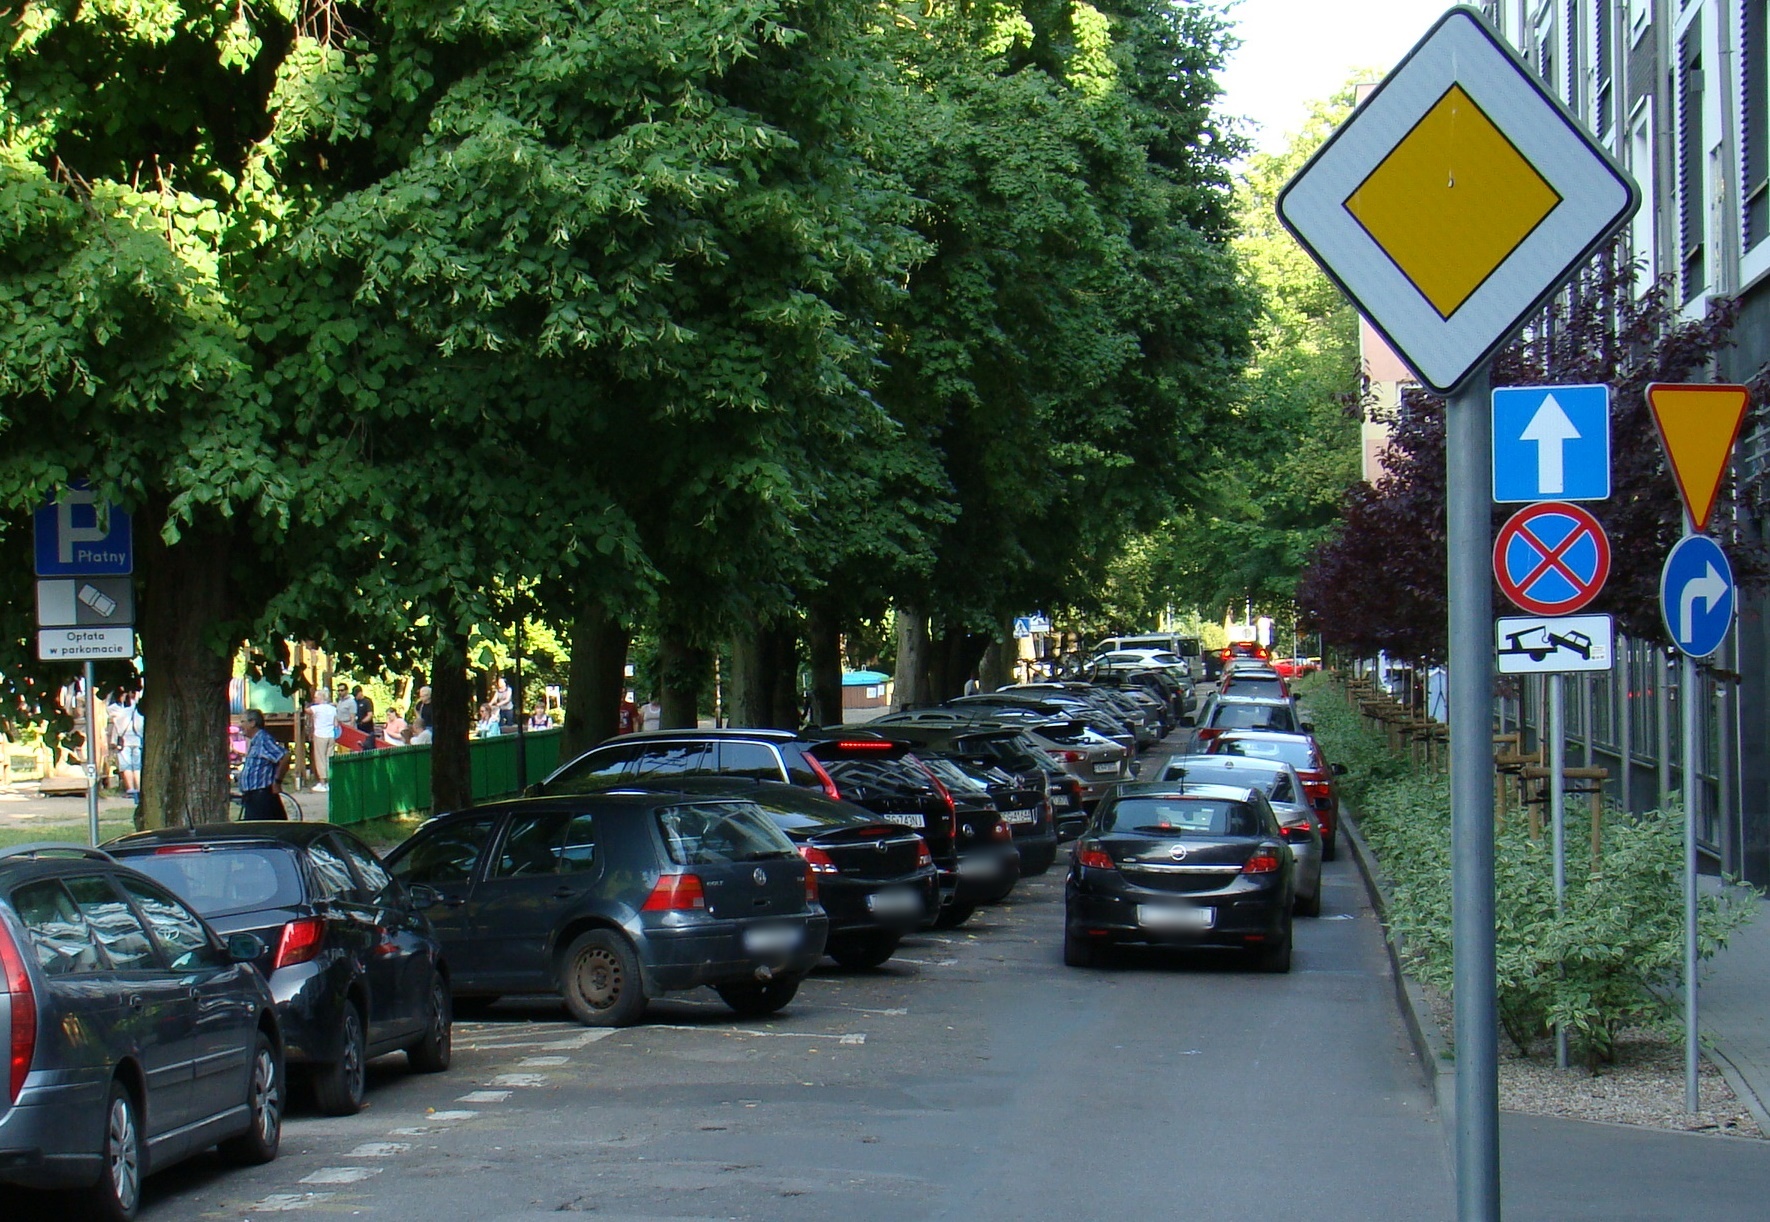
<point>396,780</point>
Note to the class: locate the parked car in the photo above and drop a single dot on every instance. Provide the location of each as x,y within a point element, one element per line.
<point>1224,713</point>
<point>1177,692</point>
<point>137,1035</point>
<point>1094,762</point>
<point>1051,705</point>
<point>1249,681</point>
<point>1284,790</point>
<point>1302,752</point>
<point>1181,865</point>
<point>356,970</point>
<point>875,879</point>
<point>612,899</point>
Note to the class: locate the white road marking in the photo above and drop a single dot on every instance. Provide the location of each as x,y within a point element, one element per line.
<point>415,1130</point>
<point>582,1039</point>
<point>540,1062</point>
<point>484,1096</point>
<point>450,1116</point>
<point>894,1012</point>
<point>520,1079</point>
<point>340,1175</point>
<point>853,1039</point>
<point>379,1149</point>
<point>859,1038</point>
<point>286,1202</point>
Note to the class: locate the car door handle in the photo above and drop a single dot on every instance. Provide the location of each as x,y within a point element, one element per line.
<point>135,1002</point>
<point>565,893</point>
<point>454,901</point>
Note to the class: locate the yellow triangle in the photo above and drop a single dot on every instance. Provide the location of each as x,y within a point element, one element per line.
<point>1698,424</point>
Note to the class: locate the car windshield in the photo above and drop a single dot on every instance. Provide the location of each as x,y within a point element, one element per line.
<point>796,819</point>
<point>1294,751</point>
<point>713,833</point>
<point>1253,717</point>
<point>221,881</point>
<point>1181,816</point>
<point>1252,776</point>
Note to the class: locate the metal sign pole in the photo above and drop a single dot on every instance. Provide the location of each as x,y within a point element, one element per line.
<point>1557,730</point>
<point>91,757</point>
<point>1687,705</point>
<point>1468,461</point>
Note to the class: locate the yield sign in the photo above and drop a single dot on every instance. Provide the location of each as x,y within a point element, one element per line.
<point>1552,558</point>
<point>1698,425</point>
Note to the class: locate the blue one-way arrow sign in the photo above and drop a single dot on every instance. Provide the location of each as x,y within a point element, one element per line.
<point>1551,443</point>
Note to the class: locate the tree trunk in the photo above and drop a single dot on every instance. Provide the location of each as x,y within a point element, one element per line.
<point>451,694</point>
<point>748,690</point>
<point>823,642</point>
<point>595,679</point>
<point>184,771</point>
<point>912,657</point>
<point>997,668</point>
<point>954,658</point>
<point>783,688</point>
<point>682,674</point>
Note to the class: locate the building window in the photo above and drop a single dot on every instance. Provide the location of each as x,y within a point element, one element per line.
<point>1641,236</point>
<point>1601,73</point>
<point>1692,208</point>
<point>1640,11</point>
<point>1754,125</point>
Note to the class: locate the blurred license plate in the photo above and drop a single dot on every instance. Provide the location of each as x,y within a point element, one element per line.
<point>1019,816</point>
<point>899,901</point>
<point>1174,917</point>
<point>771,939</point>
<point>905,819</point>
<point>1103,769</point>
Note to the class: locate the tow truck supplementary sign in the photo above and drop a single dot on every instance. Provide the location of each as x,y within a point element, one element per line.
<point>1551,443</point>
<point>1551,558</point>
<point>1455,199</point>
<point>1539,645</point>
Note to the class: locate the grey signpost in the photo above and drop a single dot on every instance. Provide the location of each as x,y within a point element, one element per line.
<point>1449,207</point>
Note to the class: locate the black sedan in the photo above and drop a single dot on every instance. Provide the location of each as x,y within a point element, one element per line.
<point>1182,865</point>
<point>352,962</point>
<point>876,879</point>
<point>611,899</point>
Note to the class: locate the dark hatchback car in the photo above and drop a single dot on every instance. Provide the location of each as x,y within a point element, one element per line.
<point>875,879</point>
<point>356,970</point>
<point>1182,865</point>
<point>136,1035</point>
<point>609,900</point>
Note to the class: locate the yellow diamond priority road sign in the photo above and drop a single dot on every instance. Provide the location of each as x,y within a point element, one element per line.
<point>1455,199</point>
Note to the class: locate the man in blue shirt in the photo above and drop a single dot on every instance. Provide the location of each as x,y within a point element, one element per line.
<point>261,775</point>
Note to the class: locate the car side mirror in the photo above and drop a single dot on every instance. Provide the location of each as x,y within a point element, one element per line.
<point>532,790</point>
<point>245,948</point>
<point>423,895</point>
<point>1338,769</point>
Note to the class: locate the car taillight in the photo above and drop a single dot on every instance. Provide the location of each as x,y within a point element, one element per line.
<point>1296,833</point>
<point>923,856</point>
<point>1073,757</point>
<point>299,942</point>
<point>1094,859</point>
<point>679,893</point>
<point>1261,863</point>
<point>1001,831</point>
<point>811,883</point>
<point>825,779</point>
<point>1209,734</point>
<point>817,859</point>
<point>24,1014</point>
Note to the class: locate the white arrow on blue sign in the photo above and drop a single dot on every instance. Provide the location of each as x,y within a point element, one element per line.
<point>1696,595</point>
<point>1551,443</point>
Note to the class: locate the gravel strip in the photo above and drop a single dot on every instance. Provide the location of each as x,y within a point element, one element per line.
<point>1645,1085</point>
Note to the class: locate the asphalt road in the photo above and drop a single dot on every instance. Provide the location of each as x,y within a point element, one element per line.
<point>973,1077</point>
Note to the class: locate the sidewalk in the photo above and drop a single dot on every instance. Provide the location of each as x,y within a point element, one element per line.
<point>23,808</point>
<point>1733,1012</point>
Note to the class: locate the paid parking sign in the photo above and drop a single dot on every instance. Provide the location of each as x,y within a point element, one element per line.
<point>1552,558</point>
<point>1551,443</point>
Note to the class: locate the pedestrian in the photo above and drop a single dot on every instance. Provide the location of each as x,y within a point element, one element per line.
<point>540,719</point>
<point>346,705</point>
<point>261,776</point>
<point>129,746</point>
<point>322,728</point>
<point>365,717</point>
<point>489,724</point>
<point>394,732</point>
<point>651,714</point>
<point>628,720</point>
<point>421,713</point>
<point>503,702</point>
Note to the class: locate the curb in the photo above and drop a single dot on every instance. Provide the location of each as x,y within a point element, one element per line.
<point>1437,1064</point>
<point>1716,1052</point>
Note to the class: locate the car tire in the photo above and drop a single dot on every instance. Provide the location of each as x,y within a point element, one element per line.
<point>954,915</point>
<point>1309,905</point>
<point>338,1088</point>
<point>1330,845</point>
<point>436,1047</point>
<point>1276,957</point>
<point>863,950</point>
<point>116,1194</point>
<point>758,998</point>
<point>1078,952</point>
<point>600,980</point>
<point>264,1104</point>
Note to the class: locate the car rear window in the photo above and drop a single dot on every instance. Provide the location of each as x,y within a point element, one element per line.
<point>713,833</point>
<point>860,780</point>
<point>1296,752</point>
<point>1257,686</point>
<point>1253,717</point>
<point>222,881</point>
<point>1182,816</point>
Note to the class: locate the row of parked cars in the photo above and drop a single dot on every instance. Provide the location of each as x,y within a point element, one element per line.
<point>156,993</point>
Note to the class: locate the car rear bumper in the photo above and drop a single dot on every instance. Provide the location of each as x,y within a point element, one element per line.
<point>988,873</point>
<point>1238,918</point>
<point>851,906</point>
<point>50,1138</point>
<point>713,952</point>
<point>310,1011</point>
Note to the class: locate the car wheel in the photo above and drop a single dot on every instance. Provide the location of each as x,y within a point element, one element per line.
<point>954,915</point>
<point>1309,905</point>
<point>599,977</point>
<point>117,1194</point>
<point>338,1088</point>
<point>864,950</point>
<point>1078,952</point>
<point>758,998</point>
<point>436,1047</point>
<point>264,1103</point>
<point>1276,957</point>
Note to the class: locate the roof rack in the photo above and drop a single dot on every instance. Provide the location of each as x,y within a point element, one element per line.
<point>55,848</point>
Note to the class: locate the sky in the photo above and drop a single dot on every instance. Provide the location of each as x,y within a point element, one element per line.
<point>1294,51</point>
